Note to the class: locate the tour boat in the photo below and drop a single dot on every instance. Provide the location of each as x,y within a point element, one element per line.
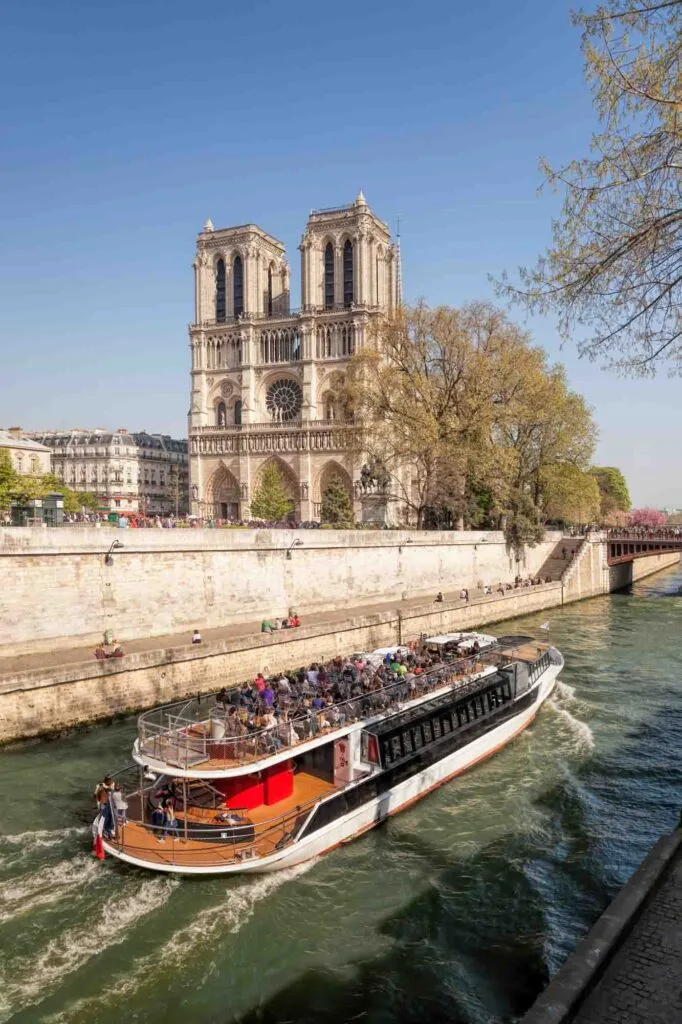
<point>282,795</point>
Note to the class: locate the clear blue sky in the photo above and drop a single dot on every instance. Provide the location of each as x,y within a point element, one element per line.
<point>127,124</point>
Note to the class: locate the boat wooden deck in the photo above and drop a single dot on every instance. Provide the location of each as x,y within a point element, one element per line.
<point>271,825</point>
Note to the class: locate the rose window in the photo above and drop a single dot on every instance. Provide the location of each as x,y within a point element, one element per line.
<point>284,399</point>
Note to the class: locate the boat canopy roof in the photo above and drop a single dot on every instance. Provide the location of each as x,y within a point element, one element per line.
<point>484,639</point>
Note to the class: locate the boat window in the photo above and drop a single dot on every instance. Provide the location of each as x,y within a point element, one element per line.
<point>437,732</point>
<point>407,742</point>
<point>397,747</point>
<point>417,738</point>
<point>426,730</point>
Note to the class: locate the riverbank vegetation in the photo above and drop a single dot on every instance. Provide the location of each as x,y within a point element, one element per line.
<point>21,487</point>
<point>471,426</point>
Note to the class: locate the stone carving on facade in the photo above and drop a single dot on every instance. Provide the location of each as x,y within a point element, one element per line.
<point>226,389</point>
<point>304,490</point>
<point>210,381</point>
<point>244,491</point>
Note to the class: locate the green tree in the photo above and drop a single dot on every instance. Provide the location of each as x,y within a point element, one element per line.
<point>337,507</point>
<point>465,413</point>
<point>614,267</point>
<point>570,495</point>
<point>270,500</point>
<point>522,522</point>
<point>615,496</point>
<point>9,480</point>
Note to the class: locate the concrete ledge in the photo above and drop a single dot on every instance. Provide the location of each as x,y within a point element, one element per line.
<point>566,992</point>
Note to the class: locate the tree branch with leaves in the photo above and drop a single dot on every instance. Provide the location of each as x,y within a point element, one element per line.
<point>614,267</point>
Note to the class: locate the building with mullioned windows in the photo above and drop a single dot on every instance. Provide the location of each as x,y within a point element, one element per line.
<point>127,472</point>
<point>265,378</point>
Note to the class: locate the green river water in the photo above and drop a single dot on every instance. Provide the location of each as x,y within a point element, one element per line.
<point>457,910</point>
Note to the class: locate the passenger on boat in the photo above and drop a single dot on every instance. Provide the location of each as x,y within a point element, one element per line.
<point>170,822</point>
<point>103,788</point>
<point>120,804</point>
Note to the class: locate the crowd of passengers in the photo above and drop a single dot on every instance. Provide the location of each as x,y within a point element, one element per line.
<point>287,708</point>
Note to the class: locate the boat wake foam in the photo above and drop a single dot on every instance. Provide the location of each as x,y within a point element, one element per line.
<point>231,915</point>
<point>23,844</point>
<point>29,983</point>
<point>563,702</point>
<point>23,894</point>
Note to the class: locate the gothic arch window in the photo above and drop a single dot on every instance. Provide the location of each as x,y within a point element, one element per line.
<point>238,285</point>
<point>220,414</point>
<point>220,291</point>
<point>269,310</point>
<point>329,276</point>
<point>238,412</point>
<point>348,290</point>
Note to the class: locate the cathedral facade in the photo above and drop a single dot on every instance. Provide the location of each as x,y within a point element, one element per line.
<point>265,379</point>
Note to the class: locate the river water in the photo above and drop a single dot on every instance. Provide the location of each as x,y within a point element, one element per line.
<point>457,910</point>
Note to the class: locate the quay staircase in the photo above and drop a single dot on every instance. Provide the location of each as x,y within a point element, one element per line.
<point>555,564</point>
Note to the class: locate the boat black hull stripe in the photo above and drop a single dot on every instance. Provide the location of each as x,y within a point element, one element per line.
<point>344,803</point>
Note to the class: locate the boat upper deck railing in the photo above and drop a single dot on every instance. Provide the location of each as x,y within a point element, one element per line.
<point>203,732</point>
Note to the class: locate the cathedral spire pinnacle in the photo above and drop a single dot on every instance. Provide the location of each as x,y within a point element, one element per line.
<point>208,226</point>
<point>360,199</point>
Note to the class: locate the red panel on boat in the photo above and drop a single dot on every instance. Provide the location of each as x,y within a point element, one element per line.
<point>243,791</point>
<point>279,782</point>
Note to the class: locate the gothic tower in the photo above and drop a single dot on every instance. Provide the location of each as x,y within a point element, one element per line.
<point>265,381</point>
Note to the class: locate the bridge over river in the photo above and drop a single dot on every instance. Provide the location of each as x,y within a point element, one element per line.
<point>625,546</point>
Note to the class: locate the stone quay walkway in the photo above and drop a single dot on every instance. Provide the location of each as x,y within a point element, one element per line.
<point>629,968</point>
<point>75,655</point>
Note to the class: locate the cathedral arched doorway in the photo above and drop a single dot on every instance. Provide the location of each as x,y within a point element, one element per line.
<point>222,495</point>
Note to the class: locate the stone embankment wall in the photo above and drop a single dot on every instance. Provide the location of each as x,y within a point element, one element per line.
<point>39,702</point>
<point>57,590</point>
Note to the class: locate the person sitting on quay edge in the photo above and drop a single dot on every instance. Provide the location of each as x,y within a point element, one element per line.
<point>439,598</point>
<point>464,594</point>
<point>266,626</point>
<point>196,637</point>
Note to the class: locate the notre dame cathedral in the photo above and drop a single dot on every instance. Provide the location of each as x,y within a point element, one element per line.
<point>265,378</point>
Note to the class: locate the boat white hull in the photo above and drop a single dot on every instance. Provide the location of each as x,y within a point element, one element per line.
<point>373,812</point>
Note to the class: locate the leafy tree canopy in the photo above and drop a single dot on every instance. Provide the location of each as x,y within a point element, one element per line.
<point>570,495</point>
<point>648,517</point>
<point>270,500</point>
<point>465,414</point>
<point>613,489</point>
<point>337,507</point>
